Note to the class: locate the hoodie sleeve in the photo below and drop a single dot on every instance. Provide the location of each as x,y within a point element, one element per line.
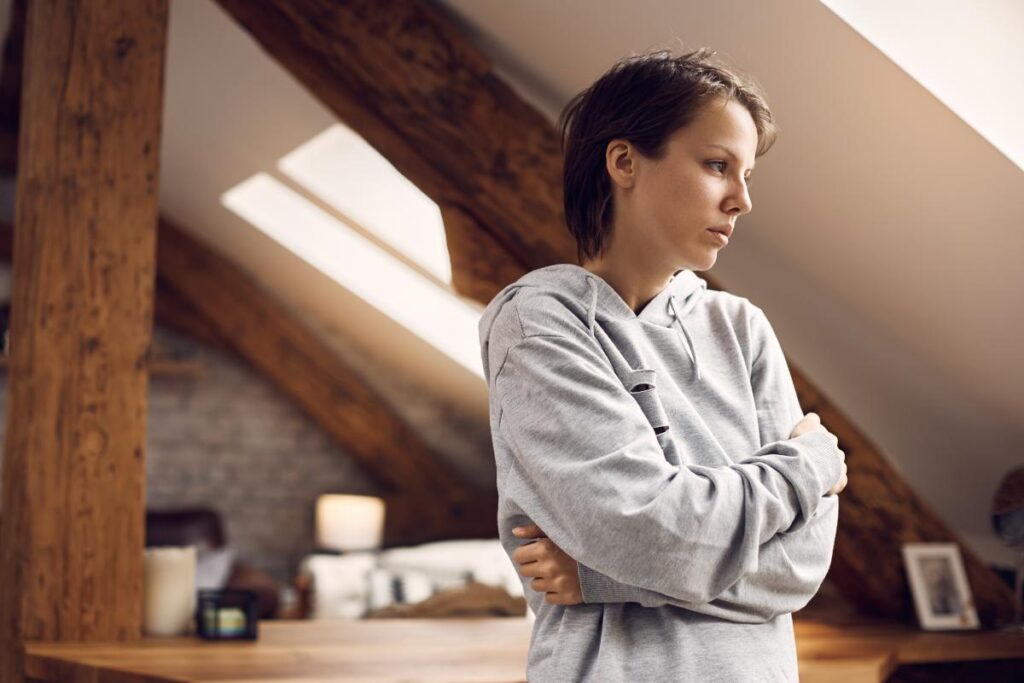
<point>588,470</point>
<point>791,568</point>
<point>793,564</point>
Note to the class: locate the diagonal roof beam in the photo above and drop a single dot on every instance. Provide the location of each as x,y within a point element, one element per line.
<point>171,310</point>
<point>404,77</point>
<point>401,73</point>
<point>425,501</point>
<point>480,266</point>
<point>263,332</point>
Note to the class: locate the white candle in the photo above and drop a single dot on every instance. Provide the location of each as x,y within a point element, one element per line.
<point>169,590</point>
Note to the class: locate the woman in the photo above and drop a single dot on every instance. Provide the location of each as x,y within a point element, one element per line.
<point>647,429</point>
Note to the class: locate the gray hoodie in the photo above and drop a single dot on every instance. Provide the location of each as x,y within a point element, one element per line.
<point>654,449</point>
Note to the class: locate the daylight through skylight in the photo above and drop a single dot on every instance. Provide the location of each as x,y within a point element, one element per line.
<point>968,54</point>
<point>430,311</point>
<point>345,172</point>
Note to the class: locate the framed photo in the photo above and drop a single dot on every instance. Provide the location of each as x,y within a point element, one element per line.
<point>938,581</point>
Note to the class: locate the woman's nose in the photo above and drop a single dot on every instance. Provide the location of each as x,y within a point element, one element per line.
<point>739,201</point>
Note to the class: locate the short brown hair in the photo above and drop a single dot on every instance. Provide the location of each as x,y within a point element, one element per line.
<point>642,99</point>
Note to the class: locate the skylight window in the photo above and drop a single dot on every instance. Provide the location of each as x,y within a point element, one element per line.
<point>967,54</point>
<point>350,176</point>
<point>429,310</point>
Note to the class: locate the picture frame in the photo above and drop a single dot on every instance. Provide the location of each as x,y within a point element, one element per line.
<point>942,596</point>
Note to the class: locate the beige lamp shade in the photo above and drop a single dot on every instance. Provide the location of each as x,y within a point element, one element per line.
<point>348,522</point>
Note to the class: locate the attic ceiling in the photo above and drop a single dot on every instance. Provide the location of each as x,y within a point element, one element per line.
<point>885,233</point>
<point>864,247</point>
<point>971,79</point>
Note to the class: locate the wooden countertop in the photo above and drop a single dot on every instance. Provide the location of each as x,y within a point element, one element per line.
<point>482,650</point>
<point>869,651</point>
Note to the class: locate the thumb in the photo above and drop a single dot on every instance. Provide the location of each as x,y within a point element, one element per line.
<point>528,531</point>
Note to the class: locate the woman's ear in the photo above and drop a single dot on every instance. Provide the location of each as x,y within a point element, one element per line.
<point>620,161</point>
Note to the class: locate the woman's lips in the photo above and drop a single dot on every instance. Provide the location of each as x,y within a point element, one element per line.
<point>721,237</point>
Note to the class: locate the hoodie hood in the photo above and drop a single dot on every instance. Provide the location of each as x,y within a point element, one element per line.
<point>595,301</point>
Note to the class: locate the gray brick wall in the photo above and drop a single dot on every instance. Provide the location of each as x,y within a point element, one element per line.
<point>228,439</point>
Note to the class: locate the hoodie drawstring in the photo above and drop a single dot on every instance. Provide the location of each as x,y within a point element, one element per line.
<point>691,350</point>
<point>592,310</point>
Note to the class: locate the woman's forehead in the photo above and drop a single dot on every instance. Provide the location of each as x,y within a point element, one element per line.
<point>729,129</point>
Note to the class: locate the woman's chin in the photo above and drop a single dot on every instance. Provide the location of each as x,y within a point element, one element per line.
<point>705,263</point>
<point>697,262</point>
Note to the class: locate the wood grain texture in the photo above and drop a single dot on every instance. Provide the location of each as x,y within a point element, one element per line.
<point>434,515</point>
<point>480,265</point>
<point>878,513</point>
<point>172,310</point>
<point>461,649</point>
<point>263,332</point>
<point>416,513</point>
<point>169,308</point>
<point>82,298</point>
<point>401,74</point>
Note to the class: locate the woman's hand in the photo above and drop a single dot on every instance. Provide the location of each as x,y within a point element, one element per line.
<point>554,573</point>
<point>812,423</point>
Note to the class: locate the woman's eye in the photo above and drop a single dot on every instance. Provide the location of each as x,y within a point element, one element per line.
<point>718,165</point>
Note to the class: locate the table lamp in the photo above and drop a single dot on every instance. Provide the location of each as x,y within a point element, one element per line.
<point>346,523</point>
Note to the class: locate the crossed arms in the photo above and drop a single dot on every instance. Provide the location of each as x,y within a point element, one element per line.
<point>744,542</point>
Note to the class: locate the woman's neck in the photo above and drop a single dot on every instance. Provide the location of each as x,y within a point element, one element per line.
<point>636,280</point>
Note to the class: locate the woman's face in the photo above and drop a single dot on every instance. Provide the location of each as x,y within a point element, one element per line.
<point>700,184</point>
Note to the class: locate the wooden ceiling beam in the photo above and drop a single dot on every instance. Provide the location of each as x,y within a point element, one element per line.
<point>168,307</point>
<point>401,74</point>
<point>71,536</point>
<point>271,339</point>
<point>480,265</point>
<point>172,310</point>
<point>878,513</point>
<point>416,513</point>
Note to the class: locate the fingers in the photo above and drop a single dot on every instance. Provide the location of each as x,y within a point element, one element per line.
<point>560,599</point>
<point>841,484</point>
<point>555,594</point>
<point>533,569</point>
<point>532,552</point>
<point>554,574</point>
<point>810,422</point>
<point>529,531</point>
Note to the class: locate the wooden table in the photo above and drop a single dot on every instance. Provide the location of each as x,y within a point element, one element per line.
<point>866,651</point>
<point>480,650</point>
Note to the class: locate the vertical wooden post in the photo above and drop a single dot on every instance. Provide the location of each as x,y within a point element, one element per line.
<point>72,529</point>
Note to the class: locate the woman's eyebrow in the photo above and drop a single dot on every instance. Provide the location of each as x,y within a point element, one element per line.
<point>729,152</point>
